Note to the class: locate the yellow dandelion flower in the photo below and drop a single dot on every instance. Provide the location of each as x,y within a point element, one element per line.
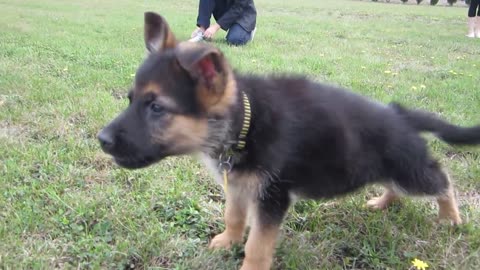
<point>453,72</point>
<point>387,72</point>
<point>420,265</point>
<point>363,67</point>
<point>132,75</point>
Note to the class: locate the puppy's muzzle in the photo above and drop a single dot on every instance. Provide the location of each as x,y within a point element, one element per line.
<point>107,140</point>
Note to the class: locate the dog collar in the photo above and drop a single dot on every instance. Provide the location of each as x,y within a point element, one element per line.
<point>247,116</point>
<point>225,158</point>
<point>225,163</point>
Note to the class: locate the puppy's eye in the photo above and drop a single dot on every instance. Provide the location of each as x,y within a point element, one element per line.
<point>157,108</point>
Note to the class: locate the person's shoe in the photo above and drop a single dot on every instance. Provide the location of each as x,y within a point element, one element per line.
<point>477,27</point>
<point>471,27</point>
<point>197,36</point>
<point>253,33</point>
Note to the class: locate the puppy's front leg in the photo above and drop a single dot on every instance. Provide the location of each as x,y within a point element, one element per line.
<point>264,231</point>
<point>235,216</point>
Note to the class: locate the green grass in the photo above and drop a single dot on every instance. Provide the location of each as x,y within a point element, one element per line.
<point>65,67</point>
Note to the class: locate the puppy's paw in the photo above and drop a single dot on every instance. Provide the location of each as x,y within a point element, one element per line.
<point>453,218</point>
<point>377,203</point>
<point>224,240</point>
<point>256,265</point>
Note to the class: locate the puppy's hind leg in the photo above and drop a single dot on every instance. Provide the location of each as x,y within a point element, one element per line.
<point>431,180</point>
<point>448,208</point>
<point>382,202</point>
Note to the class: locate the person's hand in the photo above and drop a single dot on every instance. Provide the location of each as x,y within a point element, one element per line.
<point>210,32</point>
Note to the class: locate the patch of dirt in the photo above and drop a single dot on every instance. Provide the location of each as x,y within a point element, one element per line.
<point>22,26</point>
<point>11,131</point>
<point>78,118</point>
<point>62,262</point>
<point>161,262</point>
<point>134,262</point>
<point>471,198</point>
<point>453,154</point>
<point>99,161</point>
<point>102,164</point>
<point>119,93</point>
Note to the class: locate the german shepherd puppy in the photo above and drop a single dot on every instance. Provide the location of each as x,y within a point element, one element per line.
<point>303,139</point>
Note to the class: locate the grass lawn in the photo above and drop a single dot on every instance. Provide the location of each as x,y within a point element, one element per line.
<point>65,68</point>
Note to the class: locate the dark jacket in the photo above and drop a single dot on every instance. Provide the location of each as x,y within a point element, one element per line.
<point>242,12</point>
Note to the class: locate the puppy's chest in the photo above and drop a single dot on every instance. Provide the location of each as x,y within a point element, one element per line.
<point>235,178</point>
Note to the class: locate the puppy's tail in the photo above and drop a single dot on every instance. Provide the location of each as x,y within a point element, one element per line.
<point>426,121</point>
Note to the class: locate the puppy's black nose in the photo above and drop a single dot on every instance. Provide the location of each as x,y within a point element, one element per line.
<point>107,140</point>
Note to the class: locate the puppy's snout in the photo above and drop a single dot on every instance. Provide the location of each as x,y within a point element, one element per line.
<point>107,140</point>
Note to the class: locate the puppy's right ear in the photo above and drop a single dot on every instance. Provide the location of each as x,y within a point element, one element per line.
<point>158,35</point>
<point>208,68</point>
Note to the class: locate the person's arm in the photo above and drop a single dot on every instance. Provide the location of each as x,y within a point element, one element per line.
<point>232,15</point>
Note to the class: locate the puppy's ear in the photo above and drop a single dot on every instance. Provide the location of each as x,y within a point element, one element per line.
<point>207,66</point>
<point>158,35</point>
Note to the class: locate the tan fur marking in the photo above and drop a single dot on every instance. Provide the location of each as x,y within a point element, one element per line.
<point>183,134</point>
<point>246,183</point>
<point>448,208</point>
<point>218,102</point>
<point>151,87</point>
<point>383,201</point>
<point>260,247</point>
<point>228,98</point>
<point>170,40</point>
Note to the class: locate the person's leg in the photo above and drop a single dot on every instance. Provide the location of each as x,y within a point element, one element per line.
<point>205,11</point>
<point>472,10</point>
<point>477,25</point>
<point>477,3</point>
<point>237,35</point>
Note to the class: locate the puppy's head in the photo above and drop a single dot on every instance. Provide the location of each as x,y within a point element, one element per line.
<point>179,86</point>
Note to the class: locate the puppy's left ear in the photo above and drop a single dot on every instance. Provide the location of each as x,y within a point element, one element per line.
<point>207,66</point>
<point>158,35</point>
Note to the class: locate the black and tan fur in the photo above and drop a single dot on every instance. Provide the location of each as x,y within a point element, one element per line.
<point>305,139</point>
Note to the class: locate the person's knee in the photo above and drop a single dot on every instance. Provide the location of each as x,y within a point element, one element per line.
<point>236,40</point>
<point>471,12</point>
<point>237,36</point>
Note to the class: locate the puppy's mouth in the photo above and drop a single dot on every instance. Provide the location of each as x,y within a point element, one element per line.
<point>135,162</point>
